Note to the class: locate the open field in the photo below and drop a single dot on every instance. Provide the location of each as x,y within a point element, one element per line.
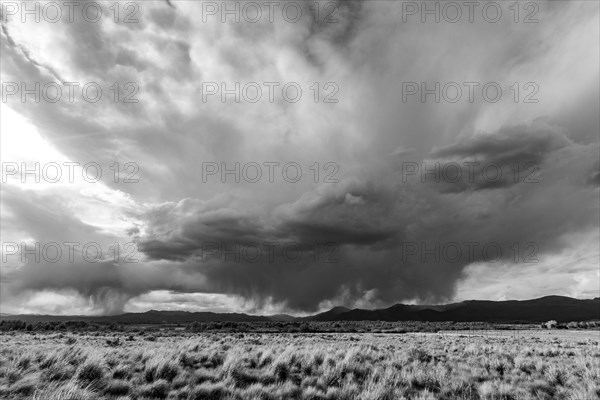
<point>532,334</point>
<point>175,365</point>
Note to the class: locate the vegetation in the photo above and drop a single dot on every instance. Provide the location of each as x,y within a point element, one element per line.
<point>287,326</point>
<point>182,365</point>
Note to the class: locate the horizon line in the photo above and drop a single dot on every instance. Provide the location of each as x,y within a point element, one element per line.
<point>288,314</point>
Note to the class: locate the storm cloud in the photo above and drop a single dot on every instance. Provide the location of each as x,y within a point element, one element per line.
<point>383,219</point>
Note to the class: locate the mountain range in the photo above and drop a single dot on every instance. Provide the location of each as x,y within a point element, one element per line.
<point>559,308</point>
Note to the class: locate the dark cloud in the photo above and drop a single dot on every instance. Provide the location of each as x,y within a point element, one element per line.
<point>371,215</point>
<point>376,226</point>
<point>183,235</point>
<point>337,21</point>
<point>511,156</point>
<point>511,144</point>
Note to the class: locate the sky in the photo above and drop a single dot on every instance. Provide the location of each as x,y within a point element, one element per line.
<point>358,183</point>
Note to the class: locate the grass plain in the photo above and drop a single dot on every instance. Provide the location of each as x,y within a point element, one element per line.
<point>178,365</point>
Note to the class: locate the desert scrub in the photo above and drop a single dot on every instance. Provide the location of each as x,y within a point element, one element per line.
<point>117,388</point>
<point>303,366</point>
<point>161,369</point>
<point>91,372</point>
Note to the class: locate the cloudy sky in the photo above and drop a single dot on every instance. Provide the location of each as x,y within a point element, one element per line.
<point>371,192</point>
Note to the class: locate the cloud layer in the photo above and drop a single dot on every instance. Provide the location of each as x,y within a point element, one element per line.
<point>402,184</point>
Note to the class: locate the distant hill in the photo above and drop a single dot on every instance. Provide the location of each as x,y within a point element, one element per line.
<point>149,317</point>
<point>330,315</point>
<point>559,308</point>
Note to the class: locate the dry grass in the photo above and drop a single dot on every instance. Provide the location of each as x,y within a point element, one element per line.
<point>298,366</point>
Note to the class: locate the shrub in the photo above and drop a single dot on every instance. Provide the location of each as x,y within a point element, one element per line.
<point>214,391</point>
<point>25,387</point>
<point>419,355</point>
<point>24,362</point>
<point>156,390</point>
<point>167,370</point>
<point>556,376</point>
<point>187,361</point>
<point>121,373</point>
<point>203,375</point>
<point>117,388</point>
<point>59,372</point>
<point>90,372</point>
<point>282,371</point>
